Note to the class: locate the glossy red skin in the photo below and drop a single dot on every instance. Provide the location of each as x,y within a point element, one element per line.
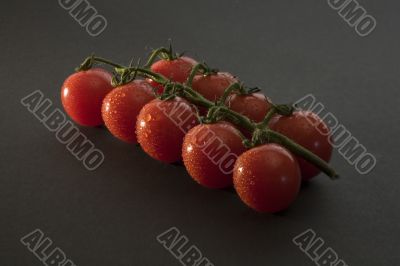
<point>82,95</point>
<point>177,70</point>
<point>209,169</point>
<point>303,127</point>
<point>267,178</point>
<point>162,125</point>
<point>212,86</point>
<point>121,107</point>
<point>255,106</point>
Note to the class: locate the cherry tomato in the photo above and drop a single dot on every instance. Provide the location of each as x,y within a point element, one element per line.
<point>308,130</point>
<point>82,95</point>
<point>212,86</point>
<point>267,178</point>
<point>162,125</point>
<point>209,153</point>
<point>255,106</point>
<point>177,70</point>
<point>121,107</point>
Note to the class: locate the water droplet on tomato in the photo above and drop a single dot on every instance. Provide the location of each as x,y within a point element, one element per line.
<point>148,117</point>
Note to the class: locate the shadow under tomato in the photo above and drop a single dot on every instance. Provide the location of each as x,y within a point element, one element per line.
<point>178,164</point>
<point>229,190</point>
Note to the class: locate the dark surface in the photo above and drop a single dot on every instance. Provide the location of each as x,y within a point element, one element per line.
<point>112,216</point>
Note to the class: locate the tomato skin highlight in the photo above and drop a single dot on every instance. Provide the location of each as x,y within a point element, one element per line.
<point>305,127</point>
<point>255,106</point>
<point>121,107</point>
<point>267,178</point>
<point>162,125</point>
<point>177,70</point>
<point>212,86</point>
<point>209,152</point>
<point>82,95</point>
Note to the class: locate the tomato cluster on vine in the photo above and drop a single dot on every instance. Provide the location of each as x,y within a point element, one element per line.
<point>225,133</point>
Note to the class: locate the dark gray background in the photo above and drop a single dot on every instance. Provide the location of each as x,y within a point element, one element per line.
<point>112,216</point>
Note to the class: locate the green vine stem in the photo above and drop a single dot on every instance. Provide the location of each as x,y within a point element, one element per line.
<point>202,68</point>
<point>282,109</point>
<point>302,152</point>
<point>195,70</point>
<point>228,91</point>
<point>164,52</point>
<point>265,134</point>
<point>89,61</point>
<point>267,117</point>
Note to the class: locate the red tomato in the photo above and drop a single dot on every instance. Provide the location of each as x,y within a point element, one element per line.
<point>162,125</point>
<point>308,130</point>
<point>267,178</point>
<point>122,106</point>
<point>209,153</point>
<point>177,70</point>
<point>82,95</point>
<point>212,86</point>
<point>255,106</point>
